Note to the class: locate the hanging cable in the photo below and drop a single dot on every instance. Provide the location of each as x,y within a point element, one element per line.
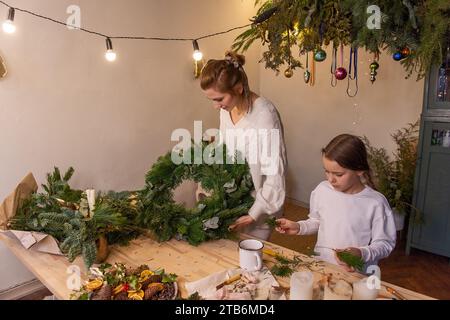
<point>120,37</point>
<point>354,62</point>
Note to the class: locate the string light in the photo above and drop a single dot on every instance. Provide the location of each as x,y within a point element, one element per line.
<point>198,55</point>
<point>110,55</point>
<point>8,25</point>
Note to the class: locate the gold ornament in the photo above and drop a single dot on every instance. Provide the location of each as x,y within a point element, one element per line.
<point>3,71</point>
<point>288,73</point>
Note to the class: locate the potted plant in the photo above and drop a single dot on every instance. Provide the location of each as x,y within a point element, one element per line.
<point>394,176</point>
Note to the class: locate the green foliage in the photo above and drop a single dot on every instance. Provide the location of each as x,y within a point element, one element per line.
<point>229,182</point>
<point>272,222</point>
<point>120,216</point>
<point>55,212</point>
<point>420,25</point>
<point>394,177</point>
<point>351,260</point>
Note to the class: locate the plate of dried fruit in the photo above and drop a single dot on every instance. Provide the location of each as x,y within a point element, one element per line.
<point>118,282</point>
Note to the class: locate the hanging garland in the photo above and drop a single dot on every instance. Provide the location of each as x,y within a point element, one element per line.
<point>229,183</point>
<point>417,32</point>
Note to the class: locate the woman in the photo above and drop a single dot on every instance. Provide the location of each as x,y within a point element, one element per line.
<point>256,125</point>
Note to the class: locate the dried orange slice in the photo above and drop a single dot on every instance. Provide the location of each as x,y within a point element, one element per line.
<point>136,295</point>
<point>145,275</point>
<point>94,284</point>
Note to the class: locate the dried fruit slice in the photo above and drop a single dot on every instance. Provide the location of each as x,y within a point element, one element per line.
<point>94,284</point>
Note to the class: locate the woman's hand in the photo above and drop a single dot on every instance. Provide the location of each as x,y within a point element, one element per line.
<point>241,222</point>
<point>351,250</point>
<point>287,226</point>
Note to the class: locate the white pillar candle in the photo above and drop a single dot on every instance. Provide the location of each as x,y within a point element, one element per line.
<point>90,195</point>
<point>302,285</point>
<point>363,290</point>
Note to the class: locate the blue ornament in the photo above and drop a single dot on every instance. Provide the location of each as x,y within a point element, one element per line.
<point>320,55</point>
<point>397,56</point>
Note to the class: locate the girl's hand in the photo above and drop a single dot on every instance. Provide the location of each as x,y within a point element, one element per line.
<point>351,250</point>
<point>241,222</point>
<point>287,226</point>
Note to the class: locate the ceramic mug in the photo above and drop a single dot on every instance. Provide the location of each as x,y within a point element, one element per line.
<point>250,254</point>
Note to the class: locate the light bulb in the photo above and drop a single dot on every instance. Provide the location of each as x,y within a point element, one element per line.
<point>110,55</point>
<point>198,55</point>
<point>8,25</point>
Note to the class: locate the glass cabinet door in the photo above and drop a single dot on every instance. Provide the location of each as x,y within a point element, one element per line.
<point>439,88</point>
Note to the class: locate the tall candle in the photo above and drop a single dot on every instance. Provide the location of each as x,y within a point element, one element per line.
<point>363,290</point>
<point>302,285</point>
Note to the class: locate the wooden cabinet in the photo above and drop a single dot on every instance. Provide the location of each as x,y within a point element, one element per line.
<point>432,181</point>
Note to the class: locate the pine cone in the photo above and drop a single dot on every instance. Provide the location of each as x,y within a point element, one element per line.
<point>152,279</point>
<point>104,293</point>
<point>122,296</point>
<point>152,290</point>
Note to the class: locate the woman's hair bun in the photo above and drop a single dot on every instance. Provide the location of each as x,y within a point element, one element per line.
<point>237,59</point>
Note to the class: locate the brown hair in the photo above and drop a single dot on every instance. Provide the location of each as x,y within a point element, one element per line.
<point>349,152</point>
<point>225,74</point>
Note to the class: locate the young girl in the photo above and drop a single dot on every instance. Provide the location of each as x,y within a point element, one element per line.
<point>244,114</point>
<point>347,213</point>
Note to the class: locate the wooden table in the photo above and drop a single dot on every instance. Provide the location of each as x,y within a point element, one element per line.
<point>188,262</point>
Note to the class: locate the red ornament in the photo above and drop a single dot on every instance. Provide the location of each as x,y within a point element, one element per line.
<point>340,73</point>
<point>406,52</point>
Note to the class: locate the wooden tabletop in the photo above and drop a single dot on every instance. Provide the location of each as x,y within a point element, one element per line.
<point>188,262</point>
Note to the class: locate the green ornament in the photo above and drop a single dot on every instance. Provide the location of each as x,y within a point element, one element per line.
<point>374,65</point>
<point>320,55</point>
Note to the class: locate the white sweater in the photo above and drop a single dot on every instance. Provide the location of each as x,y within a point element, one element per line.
<point>267,170</point>
<point>363,220</point>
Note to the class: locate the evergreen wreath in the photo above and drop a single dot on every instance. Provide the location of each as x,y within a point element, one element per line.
<point>227,179</point>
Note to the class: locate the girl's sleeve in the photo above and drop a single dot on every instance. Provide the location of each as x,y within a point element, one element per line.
<point>311,226</point>
<point>383,235</point>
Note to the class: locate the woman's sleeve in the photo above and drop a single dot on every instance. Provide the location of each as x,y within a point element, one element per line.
<point>270,168</point>
<point>311,226</point>
<point>383,235</point>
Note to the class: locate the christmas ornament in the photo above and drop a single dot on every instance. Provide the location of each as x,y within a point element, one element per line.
<point>307,74</point>
<point>289,73</point>
<point>405,52</point>
<point>373,71</point>
<point>341,73</point>
<point>320,55</point>
<point>3,70</point>
<point>397,56</point>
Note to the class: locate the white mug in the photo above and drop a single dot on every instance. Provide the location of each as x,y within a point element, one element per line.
<point>250,254</point>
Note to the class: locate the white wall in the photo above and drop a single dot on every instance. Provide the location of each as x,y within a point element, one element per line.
<point>312,116</point>
<point>63,104</point>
